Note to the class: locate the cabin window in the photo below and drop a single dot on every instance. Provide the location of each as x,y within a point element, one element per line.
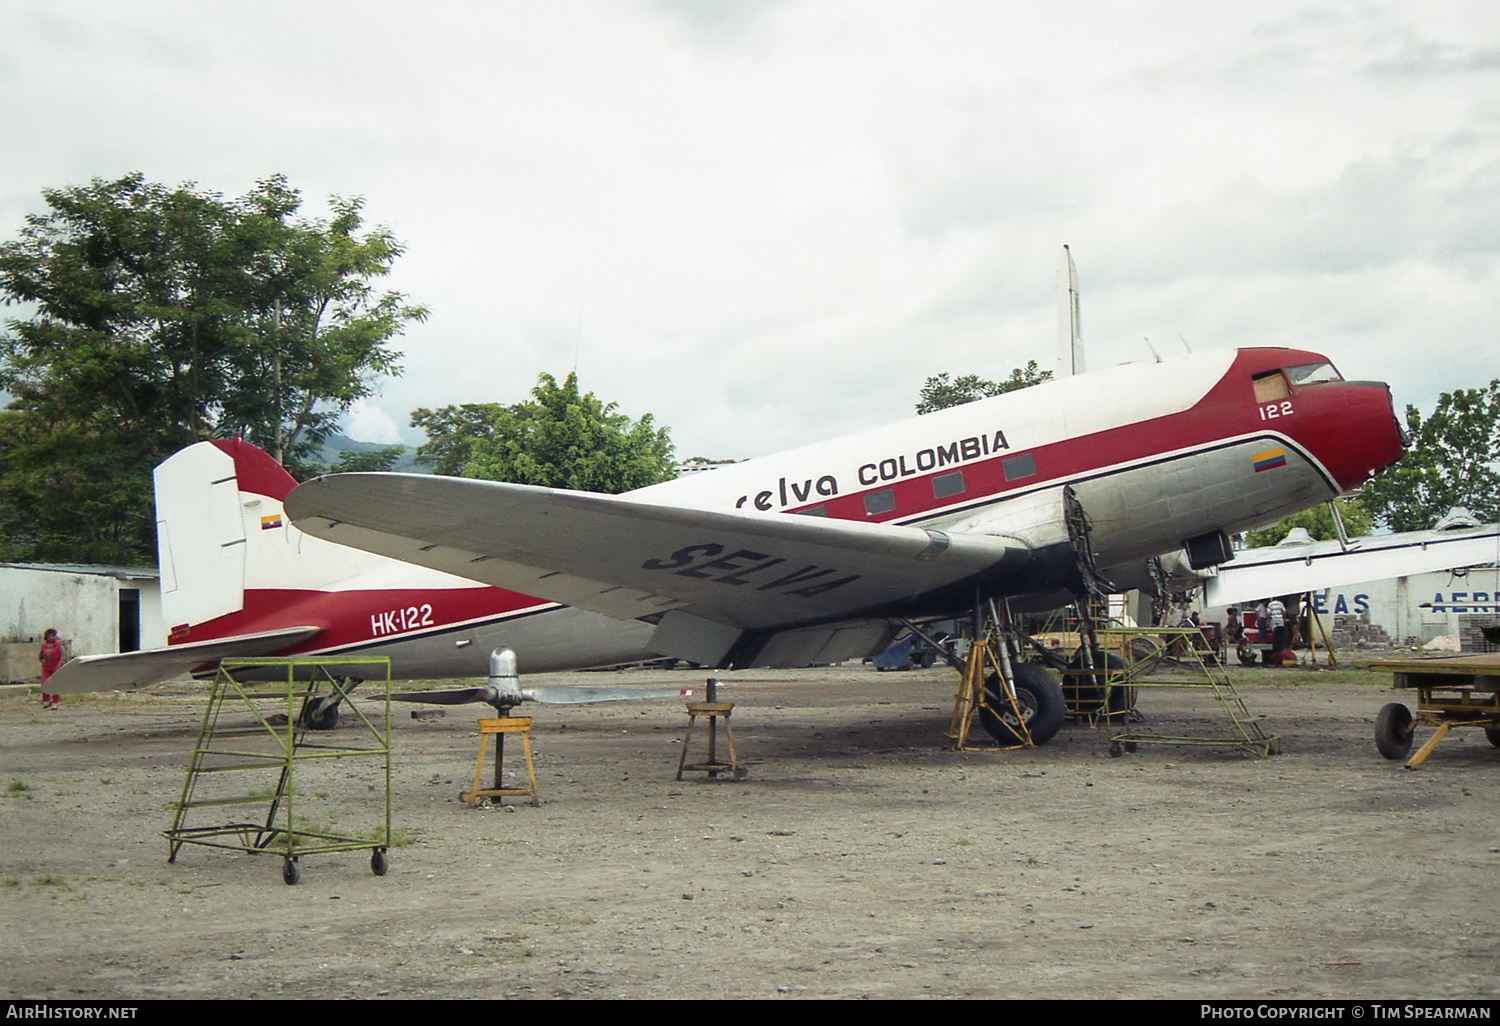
<point>1017,467</point>
<point>813,511</point>
<point>945,485</point>
<point>1313,374</point>
<point>1270,387</point>
<point>882,501</point>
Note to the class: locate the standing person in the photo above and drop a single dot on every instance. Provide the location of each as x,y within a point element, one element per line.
<point>1281,637</point>
<point>51,656</point>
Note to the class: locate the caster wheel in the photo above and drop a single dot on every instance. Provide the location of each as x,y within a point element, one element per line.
<point>290,872</point>
<point>379,862</point>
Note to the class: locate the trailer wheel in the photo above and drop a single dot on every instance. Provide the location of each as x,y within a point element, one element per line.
<point>1394,727</point>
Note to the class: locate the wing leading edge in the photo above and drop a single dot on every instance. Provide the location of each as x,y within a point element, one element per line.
<point>629,559</point>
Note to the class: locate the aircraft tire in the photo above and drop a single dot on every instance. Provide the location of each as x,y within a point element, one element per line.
<point>1040,698</point>
<point>327,719</point>
<point>1394,727</point>
<point>1492,735</point>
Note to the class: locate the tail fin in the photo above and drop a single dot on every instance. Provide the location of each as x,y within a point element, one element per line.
<point>221,528</point>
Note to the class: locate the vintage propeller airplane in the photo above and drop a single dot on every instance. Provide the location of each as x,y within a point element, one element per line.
<point>1033,494</point>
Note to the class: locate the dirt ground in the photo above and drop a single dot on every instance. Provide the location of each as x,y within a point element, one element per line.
<point>857,859</point>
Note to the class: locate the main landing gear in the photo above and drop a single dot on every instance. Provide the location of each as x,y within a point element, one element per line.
<point>1019,704</point>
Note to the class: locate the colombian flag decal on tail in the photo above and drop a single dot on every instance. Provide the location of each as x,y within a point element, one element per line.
<point>273,520</point>
<point>1269,460</point>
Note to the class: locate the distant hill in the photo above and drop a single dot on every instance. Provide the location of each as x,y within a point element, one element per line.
<point>338,444</point>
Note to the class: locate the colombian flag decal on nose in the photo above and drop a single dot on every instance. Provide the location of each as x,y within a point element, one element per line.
<point>274,520</point>
<point>1269,460</point>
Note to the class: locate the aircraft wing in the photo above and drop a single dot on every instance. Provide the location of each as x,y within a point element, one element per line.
<point>629,559</point>
<point>154,665</point>
<point>1287,569</point>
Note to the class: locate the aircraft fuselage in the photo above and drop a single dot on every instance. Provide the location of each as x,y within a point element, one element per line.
<point>1154,456</point>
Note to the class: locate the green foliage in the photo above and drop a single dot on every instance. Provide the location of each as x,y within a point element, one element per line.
<point>939,393</point>
<point>156,317</point>
<point>74,490</point>
<point>1455,461</point>
<point>1319,523</point>
<point>352,462</point>
<point>450,430</point>
<point>564,439</point>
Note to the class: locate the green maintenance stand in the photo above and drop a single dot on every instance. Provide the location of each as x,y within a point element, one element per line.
<point>273,741</point>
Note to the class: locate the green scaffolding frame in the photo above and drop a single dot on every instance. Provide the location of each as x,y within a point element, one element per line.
<point>1185,643</point>
<point>269,744</point>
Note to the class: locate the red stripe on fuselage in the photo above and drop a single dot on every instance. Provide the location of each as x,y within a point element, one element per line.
<point>1348,428</point>
<point>364,617</point>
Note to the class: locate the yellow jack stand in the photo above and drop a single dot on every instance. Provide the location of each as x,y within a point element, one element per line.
<point>500,727</point>
<point>713,767</point>
<point>973,696</point>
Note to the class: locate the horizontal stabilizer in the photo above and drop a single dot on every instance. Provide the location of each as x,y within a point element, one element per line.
<point>154,665</point>
<point>1289,569</point>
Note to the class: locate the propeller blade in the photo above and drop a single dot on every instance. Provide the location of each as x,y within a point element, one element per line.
<point>562,695</point>
<point>466,696</point>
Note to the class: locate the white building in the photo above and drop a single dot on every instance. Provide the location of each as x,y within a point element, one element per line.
<point>96,609</point>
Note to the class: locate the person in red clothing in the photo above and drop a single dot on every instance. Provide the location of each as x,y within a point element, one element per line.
<point>51,656</point>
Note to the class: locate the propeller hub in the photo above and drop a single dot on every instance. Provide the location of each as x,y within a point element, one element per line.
<point>504,683</point>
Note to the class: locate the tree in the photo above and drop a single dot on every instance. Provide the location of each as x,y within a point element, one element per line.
<point>562,438</point>
<point>1319,524</point>
<point>157,317</point>
<point>72,492</point>
<point>450,431</point>
<point>939,393</point>
<point>351,461</point>
<point>1454,461</point>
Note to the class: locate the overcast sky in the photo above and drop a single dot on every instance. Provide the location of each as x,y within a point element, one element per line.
<point>768,222</point>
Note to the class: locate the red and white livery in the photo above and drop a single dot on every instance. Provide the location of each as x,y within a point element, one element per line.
<point>801,557</point>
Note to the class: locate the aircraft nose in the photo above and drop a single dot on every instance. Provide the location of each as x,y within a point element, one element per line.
<point>1373,436</point>
<point>1401,432</point>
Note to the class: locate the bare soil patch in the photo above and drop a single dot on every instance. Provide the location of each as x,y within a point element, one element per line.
<point>857,859</point>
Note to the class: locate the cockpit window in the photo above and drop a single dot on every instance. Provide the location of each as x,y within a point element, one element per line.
<point>1270,387</point>
<point>1312,374</point>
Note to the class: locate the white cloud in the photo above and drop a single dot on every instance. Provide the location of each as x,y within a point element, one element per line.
<point>769,222</point>
<point>367,422</point>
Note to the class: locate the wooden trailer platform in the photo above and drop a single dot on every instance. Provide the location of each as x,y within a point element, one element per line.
<point>1451,692</point>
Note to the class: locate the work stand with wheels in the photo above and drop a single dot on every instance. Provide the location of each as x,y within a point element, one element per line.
<point>1451,692</point>
<point>1130,666</point>
<point>258,747</point>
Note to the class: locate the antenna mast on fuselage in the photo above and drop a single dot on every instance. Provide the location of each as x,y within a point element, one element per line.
<point>1069,333</point>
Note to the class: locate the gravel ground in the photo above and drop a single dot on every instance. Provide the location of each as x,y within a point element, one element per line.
<point>857,858</point>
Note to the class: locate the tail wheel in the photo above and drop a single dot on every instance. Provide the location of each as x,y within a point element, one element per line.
<point>326,718</point>
<point>1040,699</point>
<point>1394,727</point>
